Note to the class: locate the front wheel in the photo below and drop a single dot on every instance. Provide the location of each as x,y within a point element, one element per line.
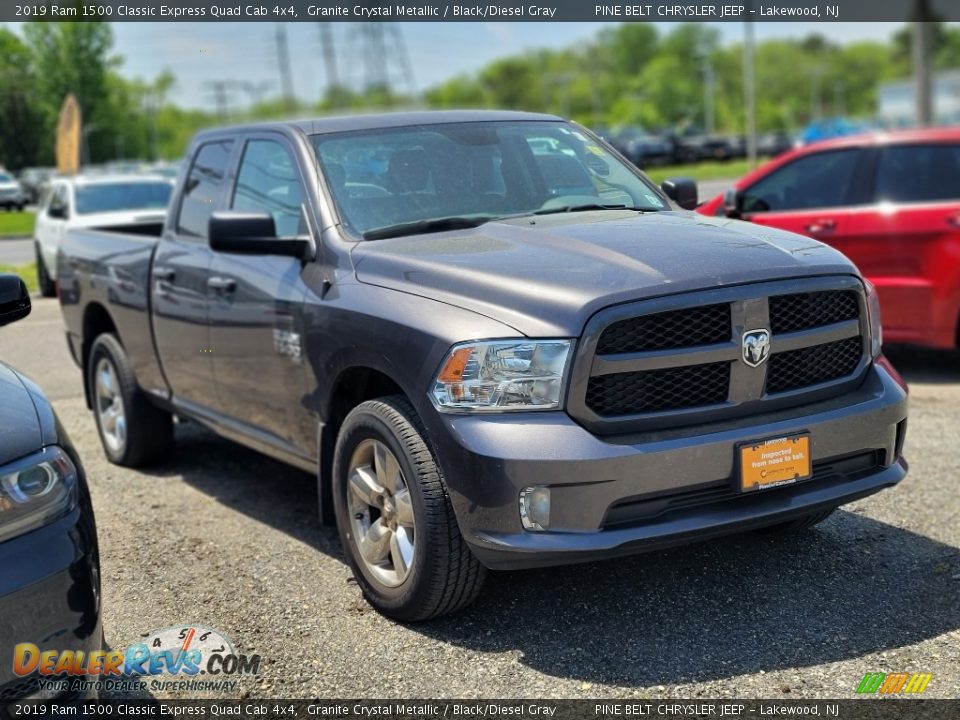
<point>133,431</point>
<point>396,524</point>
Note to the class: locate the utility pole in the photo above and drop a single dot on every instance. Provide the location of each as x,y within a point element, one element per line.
<point>381,54</point>
<point>219,89</point>
<point>708,92</point>
<point>283,60</point>
<point>816,92</point>
<point>839,98</point>
<point>921,62</point>
<point>329,51</point>
<point>749,91</point>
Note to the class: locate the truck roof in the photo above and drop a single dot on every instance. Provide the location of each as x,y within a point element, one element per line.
<point>373,121</point>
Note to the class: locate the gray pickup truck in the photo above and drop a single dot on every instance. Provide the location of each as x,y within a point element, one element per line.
<point>495,342</point>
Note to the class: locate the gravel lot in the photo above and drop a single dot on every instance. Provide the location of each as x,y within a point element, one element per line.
<point>227,538</point>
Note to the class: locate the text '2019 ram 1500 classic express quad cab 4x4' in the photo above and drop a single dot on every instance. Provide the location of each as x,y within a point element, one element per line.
<point>496,343</point>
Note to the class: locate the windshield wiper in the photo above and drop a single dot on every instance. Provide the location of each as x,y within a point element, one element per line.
<point>585,206</point>
<point>426,226</point>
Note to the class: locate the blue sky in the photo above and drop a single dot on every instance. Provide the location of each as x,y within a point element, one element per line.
<point>200,52</point>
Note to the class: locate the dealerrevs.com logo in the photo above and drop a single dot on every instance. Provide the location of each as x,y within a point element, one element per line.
<point>894,683</point>
<point>185,653</point>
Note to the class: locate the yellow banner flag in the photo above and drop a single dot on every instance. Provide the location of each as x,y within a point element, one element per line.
<point>68,136</point>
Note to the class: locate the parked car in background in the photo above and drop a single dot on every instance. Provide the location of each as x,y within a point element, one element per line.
<point>693,145</point>
<point>50,579</point>
<point>890,202</point>
<point>494,342</point>
<point>773,143</point>
<point>34,180</point>
<point>134,203</point>
<point>642,148</point>
<point>12,196</point>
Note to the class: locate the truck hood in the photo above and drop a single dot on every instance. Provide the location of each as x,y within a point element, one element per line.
<point>546,275</point>
<point>20,430</point>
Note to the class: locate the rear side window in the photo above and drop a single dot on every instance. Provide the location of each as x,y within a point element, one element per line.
<point>202,188</point>
<point>821,180</point>
<point>918,173</point>
<point>268,182</point>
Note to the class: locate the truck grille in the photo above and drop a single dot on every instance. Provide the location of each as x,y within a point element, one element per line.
<point>813,365</point>
<point>643,366</point>
<point>800,311</point>
<point>642,392</point>
<point>689,327</point>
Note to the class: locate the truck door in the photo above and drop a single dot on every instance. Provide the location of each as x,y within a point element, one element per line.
<point>180,296</point>
<point>257,303</point>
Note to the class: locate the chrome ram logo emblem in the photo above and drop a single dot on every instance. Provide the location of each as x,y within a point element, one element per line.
<point>755,345</point>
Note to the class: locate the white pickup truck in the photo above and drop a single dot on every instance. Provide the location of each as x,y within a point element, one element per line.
<point>132,203</point>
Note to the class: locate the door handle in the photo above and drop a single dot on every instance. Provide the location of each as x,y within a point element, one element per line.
<point>164,273</point>
<point>820,226</point>
<point>222,284</point>
<point>954,221</point>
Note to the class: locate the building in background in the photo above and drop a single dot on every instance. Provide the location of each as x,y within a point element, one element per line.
<point>897,101</point>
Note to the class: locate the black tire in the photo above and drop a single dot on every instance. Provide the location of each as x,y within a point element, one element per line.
<point>444,576</point>
<point>149,430</point>
<point>48,288</point>
<point>799,524</point>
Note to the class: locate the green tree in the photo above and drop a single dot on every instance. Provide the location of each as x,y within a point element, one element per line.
<point>76,57</point>
<point>21,130</point>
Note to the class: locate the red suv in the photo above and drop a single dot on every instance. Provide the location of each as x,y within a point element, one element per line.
<point>890,202</point>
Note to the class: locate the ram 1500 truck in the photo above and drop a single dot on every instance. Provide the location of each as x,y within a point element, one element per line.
<point>495,342</point>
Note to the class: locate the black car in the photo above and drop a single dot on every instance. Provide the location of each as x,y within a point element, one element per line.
<point>50,578</point>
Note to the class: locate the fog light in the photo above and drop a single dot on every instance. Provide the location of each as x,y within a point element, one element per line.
<point>535,508</point>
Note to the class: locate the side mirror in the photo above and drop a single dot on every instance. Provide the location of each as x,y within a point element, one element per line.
<point>683,191</point>
<point>14,299</point>
<point>58,211</point>
<point>732,202</point>
<point>251,233</point>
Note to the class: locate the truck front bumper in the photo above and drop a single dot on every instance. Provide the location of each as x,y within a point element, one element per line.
<point>624,494</point>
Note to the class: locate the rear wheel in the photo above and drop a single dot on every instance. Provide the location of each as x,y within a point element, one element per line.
<point>133,431</point>
<point>48,288</point>
<point>396,524</point>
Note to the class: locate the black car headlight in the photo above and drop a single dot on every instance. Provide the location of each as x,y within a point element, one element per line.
<point>36,490</point>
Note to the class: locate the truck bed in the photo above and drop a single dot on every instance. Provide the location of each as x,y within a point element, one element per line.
<point>104,276</point>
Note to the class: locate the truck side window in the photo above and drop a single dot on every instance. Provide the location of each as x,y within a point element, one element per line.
<point>918,173</point>
<point>819,180</point>
<point>268,182</point>
<point>202,189</point>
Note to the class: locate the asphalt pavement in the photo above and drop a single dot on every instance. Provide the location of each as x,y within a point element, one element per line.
<point>224,537</point>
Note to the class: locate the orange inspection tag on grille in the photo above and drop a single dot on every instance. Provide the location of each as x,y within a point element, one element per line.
<point>771,463</point>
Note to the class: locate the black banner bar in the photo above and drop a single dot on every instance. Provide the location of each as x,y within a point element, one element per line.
<point>466,11</point>
<point>874,708</point>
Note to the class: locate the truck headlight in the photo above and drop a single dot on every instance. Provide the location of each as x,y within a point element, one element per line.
<point>35,490</point>
<point>502,375</point>
<point>873,313</point>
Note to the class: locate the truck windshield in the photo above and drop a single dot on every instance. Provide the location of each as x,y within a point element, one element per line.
<point>120,196</point>
<point>428,178</point>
